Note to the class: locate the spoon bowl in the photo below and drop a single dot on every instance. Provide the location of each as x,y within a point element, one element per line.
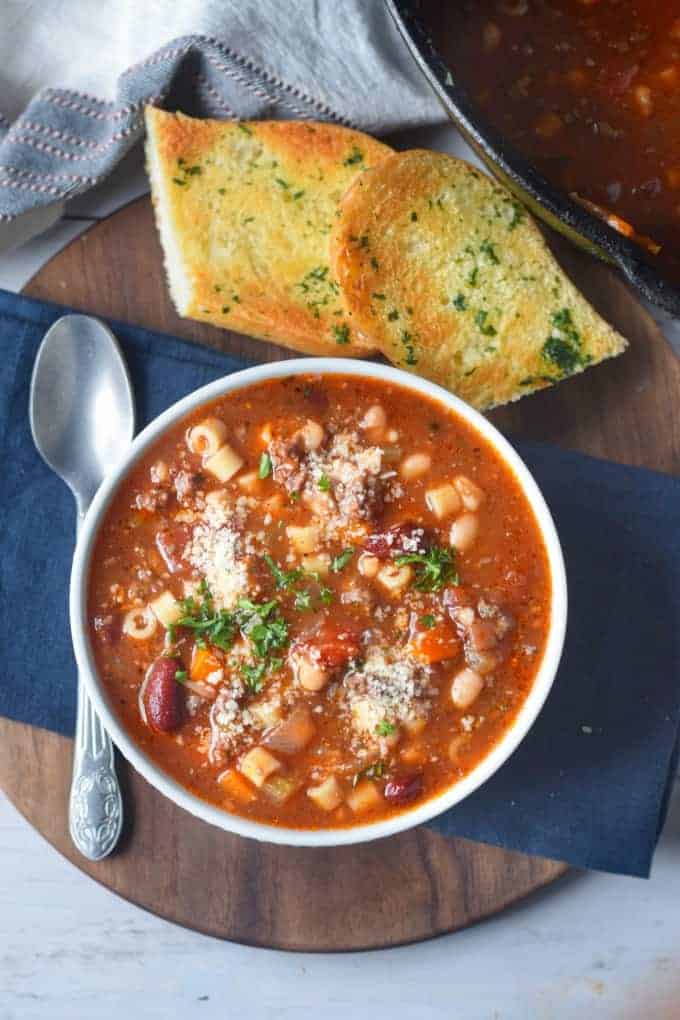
<point>81,408</point>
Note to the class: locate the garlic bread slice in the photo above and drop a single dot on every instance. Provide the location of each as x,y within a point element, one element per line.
<point>447,274</point>
<point>245,211</point>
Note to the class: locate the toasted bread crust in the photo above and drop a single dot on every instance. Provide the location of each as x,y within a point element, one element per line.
<point>447,274</point>
<point>245,211</point>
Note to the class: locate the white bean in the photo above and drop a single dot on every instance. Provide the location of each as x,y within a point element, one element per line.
<point>415,465</point>
<point>312,434</point>
<point>367,565</point>
<point>310,675</point>
<point>464,532</point>
<point>469,492</point>
<point>466,688</point>
<point>375,418</point>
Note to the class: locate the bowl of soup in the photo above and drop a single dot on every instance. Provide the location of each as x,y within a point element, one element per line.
<point>319,602</point>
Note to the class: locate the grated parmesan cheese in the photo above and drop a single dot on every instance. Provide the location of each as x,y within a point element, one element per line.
<point>216,551</point>
<point>389,685</point>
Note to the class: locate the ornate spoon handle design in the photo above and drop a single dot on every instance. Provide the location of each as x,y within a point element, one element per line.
<point>95,805</point>
<point>95,810</point>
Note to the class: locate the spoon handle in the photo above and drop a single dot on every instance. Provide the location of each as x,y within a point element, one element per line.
<point>95,804</point>
<point>95,811</point>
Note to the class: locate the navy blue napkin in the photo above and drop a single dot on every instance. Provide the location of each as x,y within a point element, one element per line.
<point>589,784</point>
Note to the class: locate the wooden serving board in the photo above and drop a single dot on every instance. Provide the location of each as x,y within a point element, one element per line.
<point>399,890</point>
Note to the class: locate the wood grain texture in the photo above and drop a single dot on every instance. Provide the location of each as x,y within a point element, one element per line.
<point>394,891</point>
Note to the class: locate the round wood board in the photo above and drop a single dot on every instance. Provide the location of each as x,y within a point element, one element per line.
<point>380,894</point>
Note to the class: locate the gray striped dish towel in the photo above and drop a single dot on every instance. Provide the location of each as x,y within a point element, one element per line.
<point>69,110</point>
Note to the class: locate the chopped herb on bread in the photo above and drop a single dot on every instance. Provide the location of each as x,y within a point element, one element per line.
<point>245,211</point>
<point>446,273</point>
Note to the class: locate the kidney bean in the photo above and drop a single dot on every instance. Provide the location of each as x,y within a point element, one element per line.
<point>163,701</point>
<point>404,788</point>
<point>398,540</point>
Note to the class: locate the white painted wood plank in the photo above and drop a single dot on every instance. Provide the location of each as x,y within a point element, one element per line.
<point>597,946</point>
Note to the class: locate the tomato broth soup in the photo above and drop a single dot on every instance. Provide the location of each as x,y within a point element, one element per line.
<point>589,91</point>
<point>319,600</point>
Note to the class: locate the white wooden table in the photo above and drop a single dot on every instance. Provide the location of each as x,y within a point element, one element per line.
<point>594,946</point>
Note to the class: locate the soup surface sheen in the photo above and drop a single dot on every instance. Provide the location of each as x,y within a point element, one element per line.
<point>319,601</point>
<point>589,91</point>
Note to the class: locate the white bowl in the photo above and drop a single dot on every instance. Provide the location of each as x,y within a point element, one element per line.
<point>357,833</point>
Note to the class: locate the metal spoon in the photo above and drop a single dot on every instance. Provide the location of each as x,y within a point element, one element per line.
<point>82,419</point>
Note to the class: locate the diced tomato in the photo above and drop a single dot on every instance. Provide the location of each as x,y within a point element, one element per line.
<point>437,643</point>
<point>335,642</point>
<point>203,663</point>
<point>171,543</point>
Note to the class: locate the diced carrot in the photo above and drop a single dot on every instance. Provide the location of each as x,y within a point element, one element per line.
<point>437,644</point>
<point>234,785</point>
<point>203,663</point>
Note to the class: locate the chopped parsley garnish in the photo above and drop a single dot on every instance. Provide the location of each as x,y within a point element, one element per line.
<point>563,347</point>
<point>324,483</point>
<point>385,728</point>
<point>482,325</point>
<point>428,621</point>
<point>459,302</point>
<point>375,771</point>
<point>243,127</point>
<point>265,468</point>
<point>176,180</point>
<point>180,676</point>
<point>472,277</point>
<point>303,600</point>
<point>407,340</point>
<point>531,380</point>
<point>393,315</point>
<point>374,263</point>
<point>517,215</point>
<point>281,183</point>
<point>216,626</point>
<point>294,496</point>
<point>341,333</point>
<point>355,156</point>
<point>414,217</point>
<point>254,676</point>
<point>434,569</point>
<point>298,194</point>
<point>326,596</point>
<point>283,578</point>
<point>339,562</point>
<point>261,624</point>
<point>226,309</point>
<point>486,248</point>
<point>378,297</point>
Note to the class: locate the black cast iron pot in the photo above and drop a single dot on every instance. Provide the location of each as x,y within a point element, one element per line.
<point>413,18</point>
